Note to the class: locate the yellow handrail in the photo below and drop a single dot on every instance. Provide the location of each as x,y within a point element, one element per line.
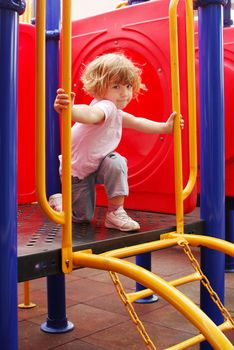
<point>205,241</point>
<point>66,139</point>
<point>171,239</point>
<point>180,193</point>
<point>64,217</point>
<point>40,116</point>
<point>175,81</point>
<point>191,100</point>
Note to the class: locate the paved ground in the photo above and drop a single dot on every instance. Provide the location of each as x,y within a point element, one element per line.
<point>100,319</point>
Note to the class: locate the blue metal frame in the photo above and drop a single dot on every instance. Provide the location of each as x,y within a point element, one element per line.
<point>9,17</point>
<point>212,193</point>
<point>227,21</point>
<point>144,260</point>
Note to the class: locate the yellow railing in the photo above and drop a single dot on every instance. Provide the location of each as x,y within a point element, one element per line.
<point>64,217</point>
<point>191,99</point>
<point>66,139</point>
<point>180,193</point>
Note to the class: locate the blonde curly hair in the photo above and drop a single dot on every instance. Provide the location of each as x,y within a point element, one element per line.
<point>111,68</point>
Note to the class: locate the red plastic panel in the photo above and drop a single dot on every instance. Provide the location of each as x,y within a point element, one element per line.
<point>26,115</point>
<point>229,120</point>
<point>142,33</point>
<point>228,105</point>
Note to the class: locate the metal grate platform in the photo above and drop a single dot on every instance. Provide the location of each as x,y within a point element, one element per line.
<point>39,239</point>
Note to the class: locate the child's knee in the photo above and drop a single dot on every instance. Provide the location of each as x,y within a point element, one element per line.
<point>117,165</point>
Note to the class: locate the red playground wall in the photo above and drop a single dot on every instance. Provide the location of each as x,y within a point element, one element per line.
<point>142,33</point>
<point>26,115</point>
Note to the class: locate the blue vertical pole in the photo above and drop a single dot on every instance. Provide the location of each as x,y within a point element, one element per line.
<point>227,20</point>
<point>212,196</point>
<point>9,18</point>
<point>53,183</point>
<point>56,321</point>
<point>144,260</point>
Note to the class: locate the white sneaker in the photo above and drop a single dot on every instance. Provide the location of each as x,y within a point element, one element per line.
<point>55,201</point>
<point>120,220</point>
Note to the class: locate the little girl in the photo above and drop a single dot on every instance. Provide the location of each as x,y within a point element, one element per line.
<point>112,80</point>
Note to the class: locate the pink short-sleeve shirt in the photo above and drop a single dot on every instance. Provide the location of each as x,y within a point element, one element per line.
<point>92,142</point>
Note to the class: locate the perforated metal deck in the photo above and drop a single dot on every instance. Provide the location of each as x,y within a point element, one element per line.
<point>39,239</point>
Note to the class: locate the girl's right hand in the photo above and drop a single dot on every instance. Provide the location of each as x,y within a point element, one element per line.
<point>62,100</point>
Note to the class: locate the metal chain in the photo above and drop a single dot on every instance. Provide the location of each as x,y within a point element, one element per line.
<point>131,311</point>
<point>206,283</point>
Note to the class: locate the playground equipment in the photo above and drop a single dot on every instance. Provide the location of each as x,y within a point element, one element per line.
<point>150,158</point>
<point>107,261</point>
<point>111,260</point>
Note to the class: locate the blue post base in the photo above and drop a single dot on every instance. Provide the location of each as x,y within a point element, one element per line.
<point>56,321</point>
<point>144,260</point>
<point>152,299</point>
<point>48,327</point>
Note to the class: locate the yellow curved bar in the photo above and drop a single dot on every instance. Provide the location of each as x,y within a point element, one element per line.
<point>66,139</point>
<point>40,116</point>
<point>175,80</point>
<point>206,241</point>
<point>182,303</point>
<point>191,100</point>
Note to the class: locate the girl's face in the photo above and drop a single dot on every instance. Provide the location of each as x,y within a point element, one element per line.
<point>119,94</point>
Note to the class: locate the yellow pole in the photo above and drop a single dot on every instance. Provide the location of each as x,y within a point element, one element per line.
<point>40,116</point>
<point>182,194</point>
<point>191,100</point>
<point>176,107</point>
<point>66,139</point>
<point>60,218</point>
<point>26,304</point>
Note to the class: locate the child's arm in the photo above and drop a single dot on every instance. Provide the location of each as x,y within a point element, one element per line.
<point>80,113</point>
<point>149,126</point>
